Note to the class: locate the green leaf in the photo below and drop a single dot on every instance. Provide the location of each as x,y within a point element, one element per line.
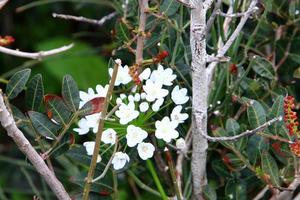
<point>70,93</point>
<point>35,93</point>
<point>122,32</point>
<point>57,109</point>
<point>263,67</point>
<point>297,73</point>
<point>236,189</point>
<point>43,125</point>
<point>276,111</point>
<point>209,193</point>
<point>17,83</point>
<point>269,167</point>
<point>220,168</point>
<point>256,144</point>
<point>169,7</point>
<point>19,117</point>
<point>232,127</point>
<point>256,114</point>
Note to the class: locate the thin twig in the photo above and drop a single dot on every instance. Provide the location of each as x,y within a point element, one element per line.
<point>184,3</point>
<point>261,194</point>
<point>35,55</point>
<point>24,145</point>
<point>108,163</point>
<point>219,12</point>
<point>244,134</point>
<point>222,51</point>
<point>180,158</point>
<point>99,22</point>
<point>213,15</point>
<point>93,164</point>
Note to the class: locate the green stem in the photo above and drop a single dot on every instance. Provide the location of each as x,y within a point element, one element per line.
<point>156,180</point>
<point>173,175</point>
<point>141,184</point>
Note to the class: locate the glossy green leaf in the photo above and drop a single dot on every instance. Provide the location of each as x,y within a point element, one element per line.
<point>122,32</point>
<point>70,93</point>
<point>232,127</point>
<point>17,83</point>
<point>220,168</point>
<point>35,93</point>
<point>43,125</point>
<point>276,111</point>
<point>269,167</point>
<point>57,109</point>
<point>169,7</point>
<point>256,114</point>
<point>263,67</point>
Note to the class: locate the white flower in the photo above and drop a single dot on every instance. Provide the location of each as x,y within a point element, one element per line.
<point>127,113</point>
<point>119,160</point>
<point>109,136</point>
<point>179,96</point>
<point>145,74</point>
<point>165,129</point>
<point>177,116</point>
<point>135,135</point>
<point>157,104</point>
<point>123,96</point>
<point>119,100</point>
<point>144,106</point>
<point>93,121</point>
<point>180,143</point>
<point>123,76</point>
<point>89,147</point>
<point>130,98</point>
<point>137,97</point>
<point>154,90</point>
<point>83,127</point>
<point>164,76</point>
<point>145,150</point>
<point>87,96</point>
<point>143,95</point>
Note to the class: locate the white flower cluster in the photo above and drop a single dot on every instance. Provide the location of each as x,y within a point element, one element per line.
<point>135,111</point>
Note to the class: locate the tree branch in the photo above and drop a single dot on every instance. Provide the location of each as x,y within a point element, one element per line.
<point>99,22</point>
<point>143,5</point>
<point>222,51</point>
<point>213,15</point>
<point>37,55</point>
<point>244,134</point>
<point>23,144</point>
<point>89,178</point>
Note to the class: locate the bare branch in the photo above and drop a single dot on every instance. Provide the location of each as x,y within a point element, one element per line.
<point>219,12</point>
<point>37,55</point>
<point>234,35</point>
<point>210,59</point>
<point>23,144</point>
<point>186,4</point>
<point>288,194</point>
<point>84,19</point>
<point>244,134</point>
<point>213,16</point>
<point>89,178</point>
<point>143,5</point>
